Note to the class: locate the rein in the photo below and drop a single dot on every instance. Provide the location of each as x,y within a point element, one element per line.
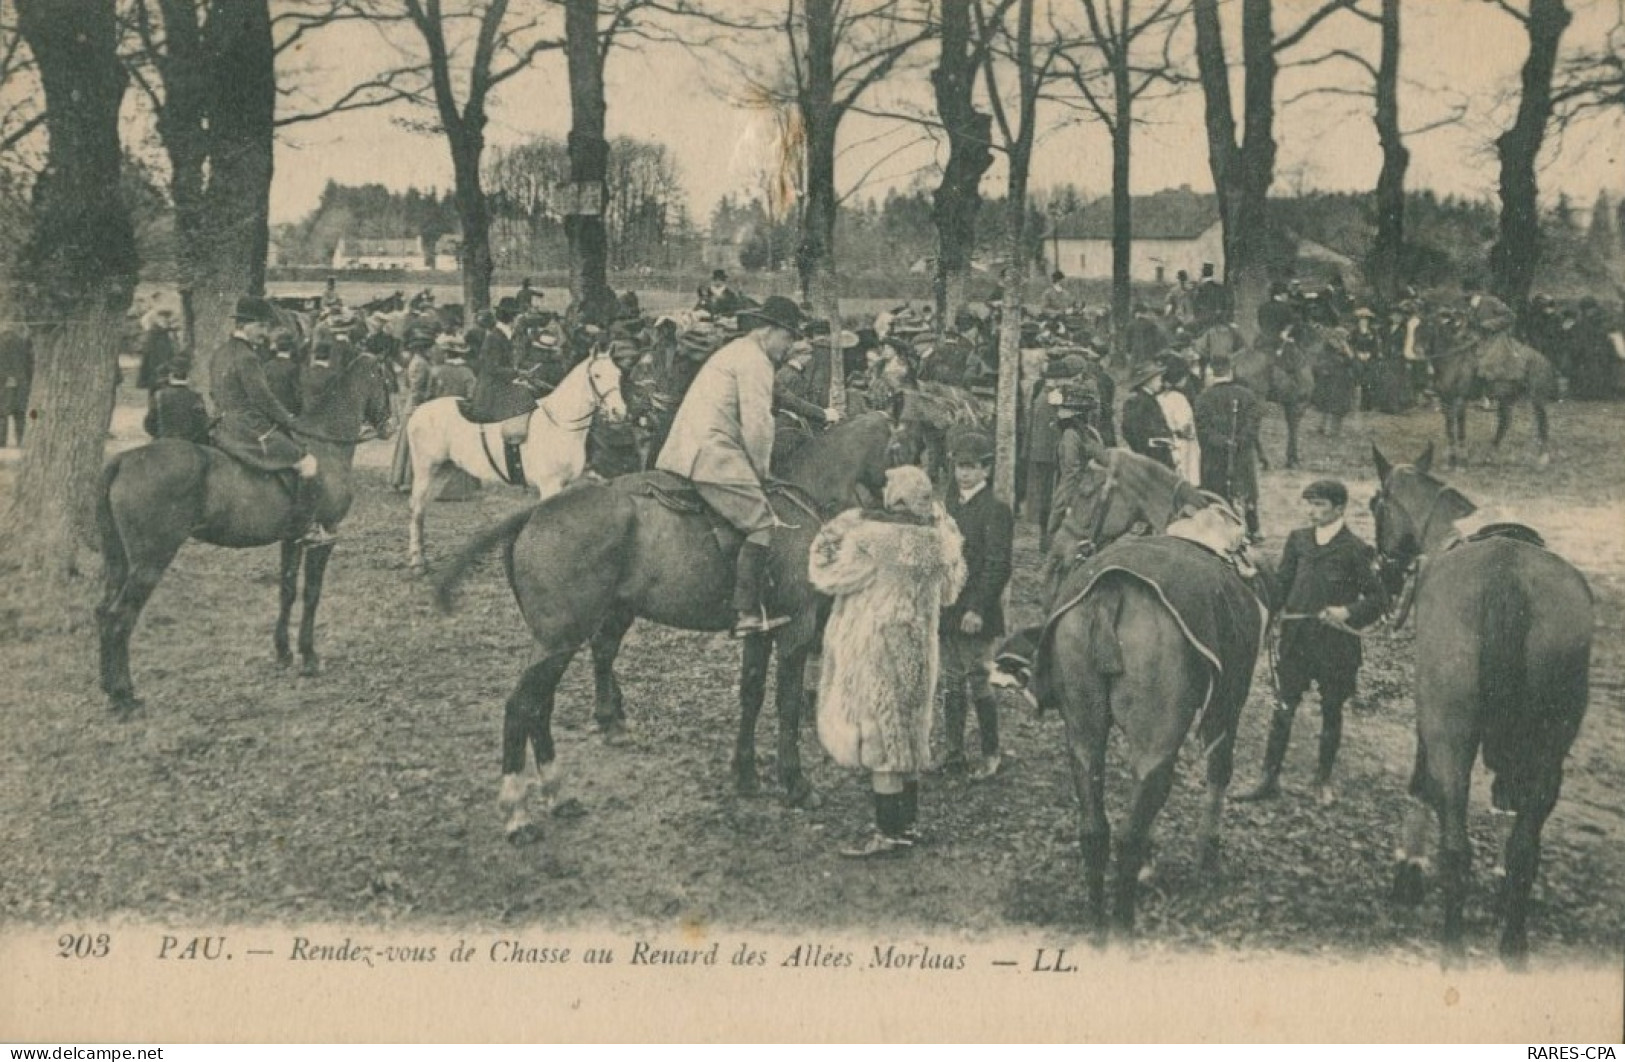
<point>1413,567</point>
<point>580,423</point>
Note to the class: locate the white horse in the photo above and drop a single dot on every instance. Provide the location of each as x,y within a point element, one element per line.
<point>554,454</point>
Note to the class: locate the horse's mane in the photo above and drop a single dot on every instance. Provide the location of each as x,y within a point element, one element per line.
<point>1156,490</point>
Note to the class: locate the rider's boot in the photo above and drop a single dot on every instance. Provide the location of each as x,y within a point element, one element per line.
<point>308,496</point>
<point>1331,738</point>
<point>1274,756</point>
<point>954,711</point>
<point>750,592</point>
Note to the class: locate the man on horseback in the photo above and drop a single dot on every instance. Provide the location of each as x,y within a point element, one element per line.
<point>722,440</point>
<point>255,427</point>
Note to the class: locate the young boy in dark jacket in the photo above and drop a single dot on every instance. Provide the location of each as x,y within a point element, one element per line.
<point>976,618</point>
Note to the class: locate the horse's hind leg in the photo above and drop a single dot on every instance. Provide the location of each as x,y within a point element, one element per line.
<point>1522,864</point>
<point>119,615</point>
<point>1294,419</point>
<point>315,574</point>
<point>1150,794</point>
<point>1455,858</point>
<point>753,659</point>
<point>423,471</point>
<point>789,702</point>
<point>528,718</point>
<point>1503,420</point>
<point>608,705</point>
<point>1221,758</point>
<point>292,554</point>
<point>1543,453</point>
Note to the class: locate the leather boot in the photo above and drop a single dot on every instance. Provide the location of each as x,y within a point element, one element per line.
<point>750,585</point>
<point>1331,739</point>
<point>888,838</point>
<point>307,502</point>
<point>1274,757</point>
<point>910,822</point>
<point>953,717</point>
<point>987,724</point>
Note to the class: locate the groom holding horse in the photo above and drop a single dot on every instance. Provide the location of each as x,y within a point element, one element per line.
<point>722,440</point>
<point>255,427</point>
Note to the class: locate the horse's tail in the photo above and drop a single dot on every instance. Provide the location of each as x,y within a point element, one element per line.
<point>114,558</point>
<point>504,533</point>
<point>1503,675</point>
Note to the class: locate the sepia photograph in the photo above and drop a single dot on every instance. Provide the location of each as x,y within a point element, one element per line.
<point>833,520</point>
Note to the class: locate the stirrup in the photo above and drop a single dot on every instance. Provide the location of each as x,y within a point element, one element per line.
<point>316,535</point>
<point>757,623</point>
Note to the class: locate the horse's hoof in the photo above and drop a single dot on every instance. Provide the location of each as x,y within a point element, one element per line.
<point>1209,860</point>
<point>417,569</point>
<point>310,667</point>
<point>569,808</point>
<point>804,797</point>
<point>125,707</point>
<point>1408,885</point>
<point>284,659</point>
<point>615,734</point>
<point>526,834</point>
<point>747,784</point>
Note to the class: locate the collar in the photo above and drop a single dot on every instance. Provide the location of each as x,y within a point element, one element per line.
<point>505,329</point>
<point>1323,535</point>
<point>964,499</point>
<point>285,355</point>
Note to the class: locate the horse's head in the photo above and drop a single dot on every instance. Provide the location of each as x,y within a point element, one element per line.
<point>1122,492</point>
<point>1413,512</point>
<point>604,381</point>
<point>853,453</point>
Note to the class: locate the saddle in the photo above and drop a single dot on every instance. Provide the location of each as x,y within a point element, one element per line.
<point>513,430</point>
<point>678,494</point>
<point>1515,531</point>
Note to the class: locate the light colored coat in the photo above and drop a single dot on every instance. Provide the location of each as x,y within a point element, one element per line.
<point>1187,452</point>
<point>723,431</point>
<point>878,685</point>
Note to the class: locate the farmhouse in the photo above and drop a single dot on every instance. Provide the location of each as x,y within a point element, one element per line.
<point>391,255</point>
<point>1173,230</point>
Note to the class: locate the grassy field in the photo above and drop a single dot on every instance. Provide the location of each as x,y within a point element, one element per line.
<point>367,794</point>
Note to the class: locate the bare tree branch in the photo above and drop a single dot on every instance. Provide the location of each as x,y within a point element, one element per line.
<point>1330,8</point>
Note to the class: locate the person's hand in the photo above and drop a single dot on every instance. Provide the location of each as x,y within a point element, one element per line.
<point>1335,614</point>
<point>832,416</point>
<point>970,623</point>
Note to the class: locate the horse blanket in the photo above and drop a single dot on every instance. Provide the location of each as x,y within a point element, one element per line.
<point>1219,614</point>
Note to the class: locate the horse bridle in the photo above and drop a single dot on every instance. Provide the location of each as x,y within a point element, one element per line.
<point>598,398</point>
<point>1412,566</point>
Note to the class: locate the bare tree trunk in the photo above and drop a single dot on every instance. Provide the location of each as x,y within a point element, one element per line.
<point>1389,245</point>
<point>1516,254</point>
<point>473,214</point>
<point>970,133</point>
<point>1223,156</point>
<point>1020,160</point>
<point>81,266</point>
<point>1122,130</point>
<point>1249,276</point>
<point>815,256</point>
<point>589,165</point>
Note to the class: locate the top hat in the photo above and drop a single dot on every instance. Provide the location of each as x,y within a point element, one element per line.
<point>777,311</point>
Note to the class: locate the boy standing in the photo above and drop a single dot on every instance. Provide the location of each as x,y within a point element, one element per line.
<point>976,618</point>
<point>1327,584</point>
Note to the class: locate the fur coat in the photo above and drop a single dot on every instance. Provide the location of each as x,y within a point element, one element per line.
<point>889,578</point>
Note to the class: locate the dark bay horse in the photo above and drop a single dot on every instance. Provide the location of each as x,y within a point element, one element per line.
<point>1456,354</point>
<point>1503,645</point>
<point>588,562</point>
<point>1284,376</point>
<point>156,497</point>
<point>1115,651</point>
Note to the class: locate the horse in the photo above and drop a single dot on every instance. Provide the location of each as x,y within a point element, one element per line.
<point>584,564</point>
<point>1503,645</point>
<point>153,498</point>
<point>929,413</point>
<point>554,454</point>
<point>1285,377</point>
<point>1458,358</point>
<point>1115,650</point>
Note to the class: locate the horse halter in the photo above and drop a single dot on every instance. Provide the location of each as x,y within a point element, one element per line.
<point>1412,564</point>
<point>598,399</point>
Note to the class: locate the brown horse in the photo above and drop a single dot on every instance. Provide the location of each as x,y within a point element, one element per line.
<point>156,497</point>
<point>1156,635</point>
<point>1454,353</point>
<point>1286,377</point>
<point>1503,645</point>
<point>586,563</point>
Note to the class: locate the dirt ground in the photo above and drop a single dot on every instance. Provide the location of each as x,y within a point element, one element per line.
<point>367,794</point>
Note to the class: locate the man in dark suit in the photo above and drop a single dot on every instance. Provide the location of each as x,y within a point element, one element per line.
<point>16,378</point>
<point>1325,587</point>
<point>282,373</point>
<point>174,410</point>
<point>1276,317</point>
<point>972,623</point>
<point>1228,415</point>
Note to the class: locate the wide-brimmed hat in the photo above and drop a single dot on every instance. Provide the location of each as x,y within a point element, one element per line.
<point>1078,397</point>
<point>451,343</point>
<point>1145,376</point>
<point>253,308</point>
<point>777,311</point>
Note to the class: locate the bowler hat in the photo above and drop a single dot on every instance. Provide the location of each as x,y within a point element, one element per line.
<point>1328,490</point>
<point>1078,396</point>
<point>777,311</point>
<point>970,447</point>
<point>253,308</point>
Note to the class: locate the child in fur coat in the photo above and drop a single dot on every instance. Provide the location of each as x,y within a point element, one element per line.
<point>890,573</point>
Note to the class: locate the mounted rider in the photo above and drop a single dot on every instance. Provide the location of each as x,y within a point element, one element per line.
<point>722,440</point>
<point>255,428</point>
